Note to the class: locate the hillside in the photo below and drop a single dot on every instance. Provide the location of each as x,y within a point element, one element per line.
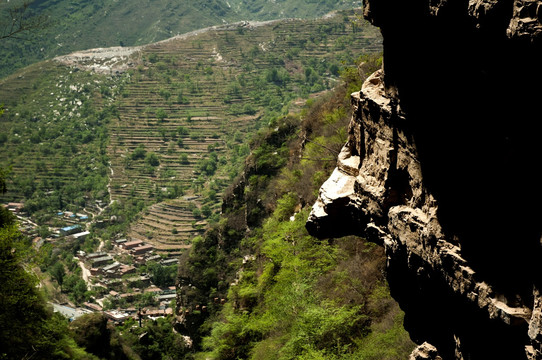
<point>209,145</point>
<point>284,294</point>
<point>79,25</point>
<point>162,127</point>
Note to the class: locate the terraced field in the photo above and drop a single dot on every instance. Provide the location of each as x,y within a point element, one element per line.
<point>54,138</point>
<point>180,112</point>
<point>203,95</point>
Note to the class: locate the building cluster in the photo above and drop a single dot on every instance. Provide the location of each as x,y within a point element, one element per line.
<point>116,273</point>
<point>113,272</point>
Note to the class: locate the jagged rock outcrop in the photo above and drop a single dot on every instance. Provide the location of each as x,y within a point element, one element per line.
<point>425,352</point>
<point>441,168</point>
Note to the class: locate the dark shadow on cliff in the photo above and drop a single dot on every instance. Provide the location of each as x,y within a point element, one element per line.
<point>473,111</point>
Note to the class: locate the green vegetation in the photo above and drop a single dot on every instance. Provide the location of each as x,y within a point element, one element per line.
<point>290,295</point>
<point>26,324</point>
<point>232,83</point>
<point>56,140</point>
<point>78,25</point>
<point>155,340</point>
<point>150,152</point>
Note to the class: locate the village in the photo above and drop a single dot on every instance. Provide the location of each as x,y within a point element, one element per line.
<point>117,274</point>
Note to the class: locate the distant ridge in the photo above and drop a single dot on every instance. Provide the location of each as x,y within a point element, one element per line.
<point>95,24</point>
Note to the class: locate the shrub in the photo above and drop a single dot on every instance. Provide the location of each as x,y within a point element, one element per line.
<point>152,159</point>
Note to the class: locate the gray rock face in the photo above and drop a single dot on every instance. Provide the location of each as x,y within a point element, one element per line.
<point>425,352</point>
<point>441,168</point>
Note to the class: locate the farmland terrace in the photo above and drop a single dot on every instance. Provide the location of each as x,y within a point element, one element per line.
<point>180,114</point>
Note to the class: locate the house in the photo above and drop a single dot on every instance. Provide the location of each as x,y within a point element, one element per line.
<point>128,296</point>
<point>119,242</point>
<point>15,207</point>
<point>153,289</point>
<point>132,244</point>
<point>167,297</point>
<point>116,316</point>
<point>142,249</point>
<point>126,269</point>
<point>154,258</point>
<point>109,270</point>
<point>96,262</point>
<point>169,290</point>
<point>68,230</point>
<point>96,255</point>
<point>156,312</point>
<point>93,307</point>
<point>169,262</point>
<point>81,235</point>
<point>113,266</point>
<point>138,281</point>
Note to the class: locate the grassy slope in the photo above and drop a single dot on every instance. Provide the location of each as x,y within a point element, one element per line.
<point>82,24</point>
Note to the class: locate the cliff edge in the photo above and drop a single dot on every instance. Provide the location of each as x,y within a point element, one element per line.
<point>440,168</point>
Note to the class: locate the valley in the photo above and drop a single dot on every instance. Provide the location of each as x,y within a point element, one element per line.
<point>166,188</point>
<point>179,115</point>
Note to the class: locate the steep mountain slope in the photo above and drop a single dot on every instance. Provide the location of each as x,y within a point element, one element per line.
<point>258,286</point>
<point>78,25</point>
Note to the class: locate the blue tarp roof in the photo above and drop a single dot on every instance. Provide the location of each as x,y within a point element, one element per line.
<point>72,227</point>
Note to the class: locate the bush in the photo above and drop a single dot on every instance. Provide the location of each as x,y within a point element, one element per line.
<point>139,152</point>
<point>152,159</point>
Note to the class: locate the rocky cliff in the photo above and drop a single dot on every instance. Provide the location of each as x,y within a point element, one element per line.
<point>440,168</point>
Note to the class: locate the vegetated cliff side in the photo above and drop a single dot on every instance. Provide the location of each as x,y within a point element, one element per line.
<point>440,169</point>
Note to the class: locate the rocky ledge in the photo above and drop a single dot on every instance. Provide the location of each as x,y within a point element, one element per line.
<point>440,169</point>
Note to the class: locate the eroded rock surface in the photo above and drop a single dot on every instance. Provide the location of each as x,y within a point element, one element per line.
<point>441,168</point>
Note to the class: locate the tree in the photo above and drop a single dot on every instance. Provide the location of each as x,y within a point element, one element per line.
<point>90,331</point>
<point>30,329</point>
<point>165,93</point>
<point>3,177</point>
<point>58,272</point>
<point>17,20</point>
<point>183,158</point>
<point>152,159</point>
<point>139,152</point>
<point>6,217</point>
<point>161,114</point>
<point>206,210</point>
<point>79,291</point>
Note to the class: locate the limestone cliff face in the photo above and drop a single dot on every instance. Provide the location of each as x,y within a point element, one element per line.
<point>441,168</point>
